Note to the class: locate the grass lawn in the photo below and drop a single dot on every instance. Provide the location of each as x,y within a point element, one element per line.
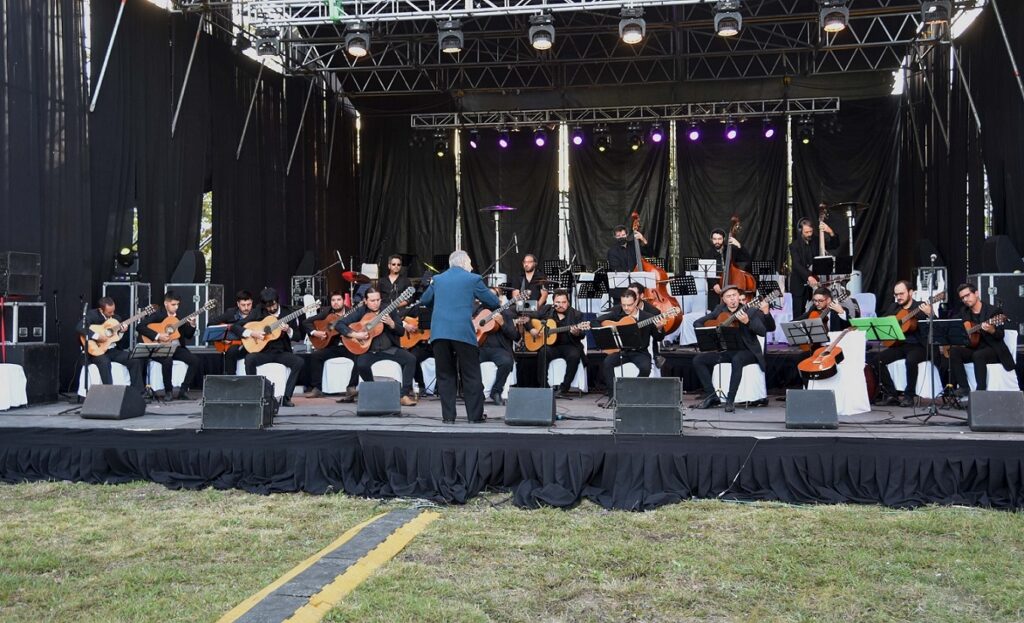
<point>73,552</point>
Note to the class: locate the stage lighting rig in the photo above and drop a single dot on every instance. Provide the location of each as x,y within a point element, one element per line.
<point>728,20</point>
<point>833,16</point>
<point>805,131</point>
<point>357,39</point>
<point>504,139</point>
<point>601,139</point>
<point>635,137</point>
<point>657,133</point>
<point>473,139</point>
<point>449,36</point>
<point>577,136</point>
<point>693,133</point>
<point>540,136</point>
<point>732,131</point>
<point>440,143</point>
<point>542,32</point>
<point>632,26</point>
<point>936,11</point>
<point>768,128</point>
<point>268,41</point>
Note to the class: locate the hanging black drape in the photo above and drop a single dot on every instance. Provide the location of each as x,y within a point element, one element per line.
<point>856,162</point>
<point>746,178</point>
<point>44,155</point>
<point>606,188</point>
<point>523,177</point>
<point>407,194</point>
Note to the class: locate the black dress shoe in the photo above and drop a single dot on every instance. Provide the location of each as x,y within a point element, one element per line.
<point>730,407</point>
<point>287,402</point>
<point>166,397</point>
<point>709,401</point>
<point>908,401</point>
<point>482,419</point>
<point>497,399</point>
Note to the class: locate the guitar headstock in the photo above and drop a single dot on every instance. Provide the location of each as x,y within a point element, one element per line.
<point>406,294</point>
<point>998,320</point>
<point>312,307</point>
<point>938,298</point>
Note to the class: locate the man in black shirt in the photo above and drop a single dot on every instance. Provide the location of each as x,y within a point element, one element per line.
<point>750,327</point>
<point>803,250</point>
<point>385,346</point>
<point>276,351</point>
<point>640,357</point>
<point>622,256</point>
<point>181,353</point>
<point>991,348</point>
<point>716,252</point>
<point>912,349</point>
<point>832,314</point>
<point>232,316</point>
<point>104,311</point>
<point>497,348</point>
<point>333,349</point>
<point>393,283</point>
<point>531,280</point>
<point>568,345</point>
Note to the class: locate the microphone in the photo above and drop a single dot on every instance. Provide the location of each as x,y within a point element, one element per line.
<point>515,240</point>
<point>934,257</point>
<point>338,253</point>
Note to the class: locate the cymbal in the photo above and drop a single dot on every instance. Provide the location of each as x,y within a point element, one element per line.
<point>354,277</point>
<point>856,206</point>
<point>497,208</point>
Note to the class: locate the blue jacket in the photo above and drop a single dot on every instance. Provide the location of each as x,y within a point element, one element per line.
<point>451,295</point>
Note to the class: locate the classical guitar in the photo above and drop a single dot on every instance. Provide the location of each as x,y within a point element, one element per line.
<point>327,326</point>
<point>113,330</point>
<point>169,326</point>
<point>271,328</point>
<point>822,364</point>
<point>974,330</point>
<point>549,331</point>
<point>725,319</point>
<point>628,320</point>
<point>486,322</point>
<point>373,324</point>
<point>414,336</point>
<point>908,317</point>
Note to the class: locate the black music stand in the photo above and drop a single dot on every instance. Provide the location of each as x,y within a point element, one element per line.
<point>690,263</point>
<point>617,337</point>
<point>657,261</point>
<point>762,267</point>
<point>940,333</point>
<point>766,287</point>
<point>718,339</point>
<point>823,265</point>
<point>594,289</point>
<point>682,285</point>
<point>805,332</point>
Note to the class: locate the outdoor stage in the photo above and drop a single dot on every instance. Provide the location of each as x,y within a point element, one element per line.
<point>320,446</point>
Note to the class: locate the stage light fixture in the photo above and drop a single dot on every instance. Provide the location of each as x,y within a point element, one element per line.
<point>473,139</point>
<point>728,20</point>
<point>635,137</point>
<point>268,41</point>
<point>601,139</point>
<point>693,134</point>
<point>833,16</point>
<point>732,131</point>
<point>504,139</point>
<point>805,131</point>
<point>540,137</point>
<point>632,26</point>
<point>577,136</point>
<point>936,11</point>
<point>768,128</point>
<point>440,143</point>
<point>357,39</point>
<point>657,133</point>
<point>542,32</point>
<point>449,36</point>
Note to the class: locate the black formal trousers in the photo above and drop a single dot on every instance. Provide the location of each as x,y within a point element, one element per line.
<point>913,353</point>
<point>181,353</point>
<point>451,357</point>
<point>116,355</point>
<point>573,355</point>
<point>705,364</point>
<point>364,365</point>
<point>639,358</point>
<point>422,352</point>
<point>289,360</point>
<point>232,356</point>
<point>320,357</point>
<point>980,357</point>
<point>504,360</point>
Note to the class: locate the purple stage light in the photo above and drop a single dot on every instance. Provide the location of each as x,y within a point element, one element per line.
<point>540,137</point>
<point>656,136</point>
<point>731,132</point>
<point>693,134</point>
<point>577,136</point>
<point>503,139</point>
<point>769,132</point>
<point>539,141</point>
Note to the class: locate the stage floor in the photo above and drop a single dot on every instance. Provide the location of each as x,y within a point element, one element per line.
<point>579,416</point>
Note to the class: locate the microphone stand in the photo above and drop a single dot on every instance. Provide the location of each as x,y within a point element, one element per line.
<point>85,344</point>
<point>494,264</point>
<point>933,409</point>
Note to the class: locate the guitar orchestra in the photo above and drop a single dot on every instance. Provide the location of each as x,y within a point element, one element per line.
<point>453,317</point>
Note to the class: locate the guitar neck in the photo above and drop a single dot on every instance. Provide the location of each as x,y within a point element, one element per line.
<point>285,320</point>
<point>652,320</point>
<point>839,338</point>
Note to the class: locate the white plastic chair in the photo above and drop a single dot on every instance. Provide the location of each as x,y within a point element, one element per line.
<point>336,372</point>
<point>998,378</point>
<point>276,373</point>
<point>898,372</point>
<point>867,302</point>
<point>849,385</point>
<point>156,377</point>
<point>753,385</point>
<point>118,375</point>
<point>628,370</point>
<point>556,372</point>
<point>12,386</point>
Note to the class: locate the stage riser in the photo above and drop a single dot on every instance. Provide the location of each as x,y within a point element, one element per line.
<point>628,473</point>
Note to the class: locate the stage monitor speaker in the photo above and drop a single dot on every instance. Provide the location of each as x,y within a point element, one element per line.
<point>113,402</point>
<point>530,406</point>
<point>646,406</point>
<point>811,408</point>
<point>41,365</point>
<point>191,268</point>
<point>994,411</point>
<point>19,274</point>
<point>238,402</point>
<point>379,398</point>
<point>999,255</point>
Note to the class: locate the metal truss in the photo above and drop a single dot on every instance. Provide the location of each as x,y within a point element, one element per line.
<point>512,119</point>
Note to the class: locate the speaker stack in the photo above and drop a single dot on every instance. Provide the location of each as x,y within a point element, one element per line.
<point>646,406</point>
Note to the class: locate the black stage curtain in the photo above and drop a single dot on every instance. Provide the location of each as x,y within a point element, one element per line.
<point>746,178</point>
<point>618,472</point>
<point>856,162</point>
<point>44,159</point>
<point>523,177</point>
<point>606,188</point>
<point>407,194</point>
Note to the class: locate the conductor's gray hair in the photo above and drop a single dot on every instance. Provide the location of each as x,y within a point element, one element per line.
<point>461,259</point>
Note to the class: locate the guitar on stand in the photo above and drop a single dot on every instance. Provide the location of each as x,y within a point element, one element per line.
<point>170,326</point>
<point>111,332</point>
<point>823,364</point>
<point>271,328</point>
<point>372,324</point>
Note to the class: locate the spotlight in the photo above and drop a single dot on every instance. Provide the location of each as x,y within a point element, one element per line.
<point>657,133</point>
<point>357,39</point>
<point>936,11</point>
<point>632,26</point>
<point>731,131</point>
<point>805,131</point>
<point>268,41</point>
<point>126,264</point>
<point>833,15</point>
<point>540,137</point>
<point>728,20</point>
<point>577,136</point>
<point>601,139</point>
<point>440,144</point>
<point>504,140</point>
<point>694,132</point>
<point>542,32</point>
<point>768,128</point>
<point>636,137</point>
<point>449,36</point>
<point>473,139</point>
<point>126,256</point>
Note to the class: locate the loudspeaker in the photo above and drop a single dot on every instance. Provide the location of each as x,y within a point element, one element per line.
<point>811,408</point>
<point>42,370</point>
<point>113,402</point>
<point>191,269</point>
<point>238,402</point>
<point>646,406</point>
<point>379,398</point>
<point>999,255</point>
<point>996,411</point>
<point>530,406</point>
<point>19,274</point>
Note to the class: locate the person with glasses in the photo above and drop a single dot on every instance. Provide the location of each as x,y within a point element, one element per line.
<point>393,283</point>
<point>991,348</point>
<point>531,281</point>
<point>832,314</point>
<point>911,349</point>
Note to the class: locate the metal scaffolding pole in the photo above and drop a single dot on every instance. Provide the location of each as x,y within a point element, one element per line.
<point>1009,50</point>
<point>248,114</point>
<point>330,144</point>
<point>298,132</point>
<point>106,57</point>
<point>188,72</point>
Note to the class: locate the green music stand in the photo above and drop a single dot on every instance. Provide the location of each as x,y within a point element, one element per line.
<point>879,329</point>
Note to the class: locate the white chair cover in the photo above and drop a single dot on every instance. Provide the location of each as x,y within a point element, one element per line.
<point>898,372</point>
<point>337,371</point>
<point>276,373</point>
<point>849,385</point>
<point>118,374</point>
<point>753,385</point>
<point>12,386</point>
<point>156,377</point>
<point>998,378</point>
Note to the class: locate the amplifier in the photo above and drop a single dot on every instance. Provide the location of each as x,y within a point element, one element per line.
<point>193,296</point>
<point>24,323</point>
<point>238,402</point>
<point>19,274</point>
<point>648,406</point>
<point>130,297</point>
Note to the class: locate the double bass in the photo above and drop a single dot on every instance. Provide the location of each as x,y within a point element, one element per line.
<point>733,275</point>
<point>658,296</point>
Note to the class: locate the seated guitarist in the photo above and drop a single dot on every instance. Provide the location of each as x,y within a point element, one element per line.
<point>105,308</point>
<point>641,357</point>
<point>497,348</point>
<point>750,327</point>
<point>991,348</point>
<point>416,318</point>
<point>912,349</point>
<point>568,345</point>
<point>276,351</point>
<point>232,315</point>
<point>832,314</point>
<point>383,347</point>
<point>333,349</point>
<point>181,353</point>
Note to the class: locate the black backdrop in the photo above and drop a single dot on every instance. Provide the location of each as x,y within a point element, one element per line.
<point>605,188</point>
<point>523,177</point>
<point>745,177</point>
